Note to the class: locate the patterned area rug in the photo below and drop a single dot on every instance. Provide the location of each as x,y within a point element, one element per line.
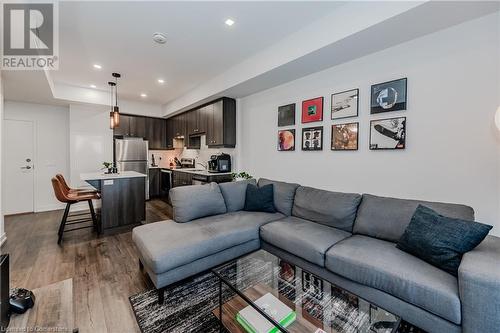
<point>188,307</point>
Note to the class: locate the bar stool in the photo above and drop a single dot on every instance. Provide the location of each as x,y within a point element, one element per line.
<point>72,190</point>
<point>71,196</point>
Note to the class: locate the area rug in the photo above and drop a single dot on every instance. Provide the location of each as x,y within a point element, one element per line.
<point>188,306</point>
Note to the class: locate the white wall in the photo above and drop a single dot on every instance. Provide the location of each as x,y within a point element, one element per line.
<point>452,149</point>
<point>51,147</point>
<point>2,232</point>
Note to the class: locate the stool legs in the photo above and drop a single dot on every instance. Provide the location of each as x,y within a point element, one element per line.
<point>94,217</point>
<point>63,223</point>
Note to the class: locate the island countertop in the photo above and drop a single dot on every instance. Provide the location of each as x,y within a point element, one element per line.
<point>102,175</point>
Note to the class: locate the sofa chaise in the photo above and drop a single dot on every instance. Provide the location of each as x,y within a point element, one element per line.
<point>346,238</point>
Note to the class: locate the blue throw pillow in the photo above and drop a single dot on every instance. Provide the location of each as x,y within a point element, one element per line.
<point>260,199</point>
<point>439,240</point>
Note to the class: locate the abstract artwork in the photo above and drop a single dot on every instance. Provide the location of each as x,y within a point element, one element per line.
<point>312,138</point>
<point>286,115</point>
<point>345,136</point>
<point>286,140</point>
<point>388,133</point>
<point>388,96</point>
<point>312,110</point>
<point>345,104</point>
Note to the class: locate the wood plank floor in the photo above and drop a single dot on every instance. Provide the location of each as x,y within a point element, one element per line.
<point>105,270</point>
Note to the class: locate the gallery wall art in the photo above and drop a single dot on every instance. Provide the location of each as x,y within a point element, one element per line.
<point>286,140</point>
<point>388,133</point>
<point>312,110</point>
<point>345,104</point>
<point>286,115</point>
<point>345,136</point>
<point>388,96</point>
<point>312,138</point>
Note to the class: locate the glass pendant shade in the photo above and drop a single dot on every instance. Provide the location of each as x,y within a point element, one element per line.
<point>116,116</point>
<point>111,120</point>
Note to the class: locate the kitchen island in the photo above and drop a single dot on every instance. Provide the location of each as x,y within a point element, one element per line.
<point>123,199</point>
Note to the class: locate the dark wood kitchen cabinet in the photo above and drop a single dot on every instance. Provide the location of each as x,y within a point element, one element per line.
<point>170,133</point>
<point>154,183</point>
<point>197,121</point>
<point>180,125</point>
<point>138,127</point>
<point>156,133</point>
<point>180,178</point>
<point>124,128</point>
<point>221,123</point>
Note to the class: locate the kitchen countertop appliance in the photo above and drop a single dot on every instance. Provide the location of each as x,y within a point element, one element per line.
<point>219,163</point>
<point>132,155</point>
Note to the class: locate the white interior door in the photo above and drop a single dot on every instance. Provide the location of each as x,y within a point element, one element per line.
<point>18,165</point>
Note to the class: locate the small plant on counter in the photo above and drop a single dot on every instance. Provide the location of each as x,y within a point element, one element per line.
<point>241,176</point>
<point>108,166</point>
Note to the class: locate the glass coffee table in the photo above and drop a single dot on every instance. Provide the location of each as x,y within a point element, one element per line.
<point>312,304</point>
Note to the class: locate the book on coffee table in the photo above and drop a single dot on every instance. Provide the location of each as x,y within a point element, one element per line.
<point>253,322</point>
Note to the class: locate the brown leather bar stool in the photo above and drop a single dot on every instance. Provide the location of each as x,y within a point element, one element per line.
<point>63,194</point>
<point>72,190</point>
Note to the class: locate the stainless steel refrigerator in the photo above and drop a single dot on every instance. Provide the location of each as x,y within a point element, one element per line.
<point>132,155</point>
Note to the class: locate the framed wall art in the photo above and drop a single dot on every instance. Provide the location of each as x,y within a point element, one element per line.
<point>312,138</point>
<point>388,96</point>
<point>312,110</point>
<point>345,104</point>
<point>345,136</point>
<point>286,115</point>
<point>388,133</point>
<point>286,140</point>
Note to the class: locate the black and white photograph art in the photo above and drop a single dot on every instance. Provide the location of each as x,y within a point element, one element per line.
<point>286,115</point>
<point>388,133</point>
<point>312,138</point>
<point>388,96</point>
<point>345,104</point>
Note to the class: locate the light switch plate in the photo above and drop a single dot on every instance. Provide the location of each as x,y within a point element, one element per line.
<point>108,182</point>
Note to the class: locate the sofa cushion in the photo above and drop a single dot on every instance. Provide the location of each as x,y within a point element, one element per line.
<point>387,218</point>
<point>166,245</point>
<point>195,201</point>
<point>380,265</point>
<point>260,199</point>
<point>441,241</point>
<point>283,195</point>
<point>333,209</point>
<point>302,238</point>
<point>234,194</point>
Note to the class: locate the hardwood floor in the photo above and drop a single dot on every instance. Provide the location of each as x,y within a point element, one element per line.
<point>105,270</point>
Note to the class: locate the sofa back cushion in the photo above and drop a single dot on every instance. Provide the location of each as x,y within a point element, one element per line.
<point>283,195</point>
<point>387,218</point>
<point>195,201</point>
<point>234,194</point>
<point>333,209</point>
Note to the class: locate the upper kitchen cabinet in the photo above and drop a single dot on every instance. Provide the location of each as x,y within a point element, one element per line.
<point>180,125</point>
<point>221,123</point>
<point>138,127</point>
<point>196,121</point>
<point>124,128</point>
<point>156,130</point>
<point>170,133</point>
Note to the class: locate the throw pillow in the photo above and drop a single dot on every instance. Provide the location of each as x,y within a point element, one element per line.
<point>260,199</point>
<point>439,240</point>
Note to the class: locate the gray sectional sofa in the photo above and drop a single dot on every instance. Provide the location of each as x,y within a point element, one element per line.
<point>346,238</point>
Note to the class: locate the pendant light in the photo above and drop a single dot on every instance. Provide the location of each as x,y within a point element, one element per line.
<point>116,109</point>
<point>112,123</point>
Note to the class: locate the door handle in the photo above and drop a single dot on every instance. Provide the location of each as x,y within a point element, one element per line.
<point>26,167</point>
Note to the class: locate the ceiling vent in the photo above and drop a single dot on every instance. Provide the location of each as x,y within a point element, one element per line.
<point>159,38</point>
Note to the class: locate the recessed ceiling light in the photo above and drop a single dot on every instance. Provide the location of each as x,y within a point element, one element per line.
<point>159,38</point>
<point>143,95</point>
<point>93,86</point>
<point>229,22</point>
<point>97,66</point>
<point>161,81</point>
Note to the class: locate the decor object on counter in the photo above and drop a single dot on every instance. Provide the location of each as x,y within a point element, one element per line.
<point>241,176</point>
<point>388,96</point>
<point>260,199</point>
<point>312,110</point>
<point>439,240</point>
<point>345,104</point>
<point>312,138</point>
<point>388,133</point>
<point>286,140</point>
<point>286,115</point>
<point>345,136</point>
<point>108,166</point>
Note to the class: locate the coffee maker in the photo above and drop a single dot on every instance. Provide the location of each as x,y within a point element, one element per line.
<point>219,163</point>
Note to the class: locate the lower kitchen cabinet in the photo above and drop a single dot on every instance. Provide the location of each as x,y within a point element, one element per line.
<point>180,178</point>
<point>154,182</point>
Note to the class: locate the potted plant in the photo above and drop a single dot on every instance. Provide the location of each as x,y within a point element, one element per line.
<point>241,176</point>
<point>108,166</point>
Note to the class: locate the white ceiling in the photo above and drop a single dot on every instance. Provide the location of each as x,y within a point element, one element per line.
<point>117,35</point>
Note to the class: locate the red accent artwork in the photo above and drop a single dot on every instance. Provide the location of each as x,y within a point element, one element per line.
<point>312,110</point>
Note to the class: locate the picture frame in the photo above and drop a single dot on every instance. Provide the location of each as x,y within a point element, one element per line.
<point>312,138</point>
<point>388,133</point>
<point>345,104</point>
<point>312,110</point>
<point>286,140</point>
<point>345,136</point>
<point>389,96</point>
<point>286,115</point>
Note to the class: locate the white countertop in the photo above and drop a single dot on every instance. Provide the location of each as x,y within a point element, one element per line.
<point>102,175</point>
<point>202,172</point>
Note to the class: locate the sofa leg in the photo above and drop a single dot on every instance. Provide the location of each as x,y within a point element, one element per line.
<point>161,296</point>
<point>141,265</point>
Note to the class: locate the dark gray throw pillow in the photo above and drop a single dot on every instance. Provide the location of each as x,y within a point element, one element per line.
<point>439,240</point>
<point>260,199</point>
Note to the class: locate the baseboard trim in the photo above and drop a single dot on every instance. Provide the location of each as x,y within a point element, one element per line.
<point>49,208</point>
<point>3,238</point>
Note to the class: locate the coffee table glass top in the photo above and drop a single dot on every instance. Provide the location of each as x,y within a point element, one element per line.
<point>317,303</point>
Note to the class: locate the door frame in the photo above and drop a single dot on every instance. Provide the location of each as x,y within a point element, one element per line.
<point>35,160</point>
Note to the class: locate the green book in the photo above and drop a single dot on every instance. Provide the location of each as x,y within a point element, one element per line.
<point>253,322</point>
